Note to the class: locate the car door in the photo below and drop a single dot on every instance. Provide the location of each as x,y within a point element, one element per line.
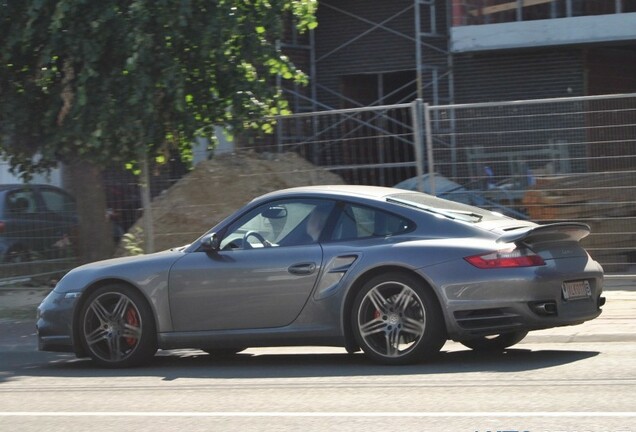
<point>58,214</point>
<point>261,276</point>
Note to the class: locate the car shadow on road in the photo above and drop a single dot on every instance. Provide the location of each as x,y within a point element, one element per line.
<point>173,365</point>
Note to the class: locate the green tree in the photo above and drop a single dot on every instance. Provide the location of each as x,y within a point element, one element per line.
<point>90,83</point>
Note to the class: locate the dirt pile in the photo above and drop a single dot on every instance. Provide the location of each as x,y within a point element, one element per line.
<point>216,188</point>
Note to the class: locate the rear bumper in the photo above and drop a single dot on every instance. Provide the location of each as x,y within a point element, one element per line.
<point>488,302</point>
<point>524,316</point>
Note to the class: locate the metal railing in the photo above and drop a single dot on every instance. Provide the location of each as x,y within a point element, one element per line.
<point>549,160</point>
<point>545,160</point>
<point>476,12</point>
<point>371,145</point>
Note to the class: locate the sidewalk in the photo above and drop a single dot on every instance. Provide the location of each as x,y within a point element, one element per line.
<point>626,282</point>
<point>21,302</point>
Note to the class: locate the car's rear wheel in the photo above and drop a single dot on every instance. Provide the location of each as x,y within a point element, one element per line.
<point>395,320</point>
<point>117,328</point>
<point>495,342</point>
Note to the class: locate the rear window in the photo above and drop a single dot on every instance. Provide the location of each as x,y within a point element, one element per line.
<point>58,202</point>
<point>357,222</point>
<point>20,202</point>
<point>450,209</point>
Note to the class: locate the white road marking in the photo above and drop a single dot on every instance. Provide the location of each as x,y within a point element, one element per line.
<point>548,414</point>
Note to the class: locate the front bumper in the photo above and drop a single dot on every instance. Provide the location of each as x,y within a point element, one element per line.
<point>54,323</point>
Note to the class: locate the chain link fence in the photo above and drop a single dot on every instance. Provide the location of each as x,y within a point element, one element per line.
<point>542,160</point>
<point>371,145</point>
<point>548,161</point>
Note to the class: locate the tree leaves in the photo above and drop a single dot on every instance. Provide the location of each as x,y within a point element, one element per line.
<point>97,80</point>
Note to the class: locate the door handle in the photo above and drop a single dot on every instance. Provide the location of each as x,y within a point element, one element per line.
<point>302,268</point>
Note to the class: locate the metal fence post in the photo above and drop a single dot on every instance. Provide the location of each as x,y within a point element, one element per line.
<point>429,149</point>
<point>418,142</point>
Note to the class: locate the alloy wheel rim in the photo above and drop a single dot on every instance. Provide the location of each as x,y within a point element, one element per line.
<point>112,327</point>
<point>391,319</point>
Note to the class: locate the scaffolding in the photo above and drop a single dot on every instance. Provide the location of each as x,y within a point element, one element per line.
<point>432,77</point>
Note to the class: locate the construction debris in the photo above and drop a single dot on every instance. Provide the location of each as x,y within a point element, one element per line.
<point>605,201</point>
<point>216,188</point>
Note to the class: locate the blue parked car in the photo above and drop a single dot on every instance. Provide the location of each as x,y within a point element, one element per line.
<point>36,222</point>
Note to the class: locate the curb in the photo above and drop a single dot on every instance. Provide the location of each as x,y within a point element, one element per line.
<point>620,283</point>
<point>579,338</point>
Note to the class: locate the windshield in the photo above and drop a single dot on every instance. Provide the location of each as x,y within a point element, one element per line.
<point>449,209</point>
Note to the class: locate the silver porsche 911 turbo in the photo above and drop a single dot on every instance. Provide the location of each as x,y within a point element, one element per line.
<point>392,272</point>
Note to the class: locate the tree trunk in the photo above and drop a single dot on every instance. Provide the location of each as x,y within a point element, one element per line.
<point>146,201</point>
<point>95,238</point>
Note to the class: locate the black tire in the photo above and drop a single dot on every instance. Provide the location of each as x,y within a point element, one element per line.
<point>117,328</point>
<point>496,342</point>
<point>395,320</point>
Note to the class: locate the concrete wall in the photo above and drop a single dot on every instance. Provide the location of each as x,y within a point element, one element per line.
<point>544,33</point>
<point>53,178</point>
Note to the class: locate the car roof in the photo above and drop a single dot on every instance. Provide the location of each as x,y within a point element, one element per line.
<point>375,192</point>
<point>12,186</point>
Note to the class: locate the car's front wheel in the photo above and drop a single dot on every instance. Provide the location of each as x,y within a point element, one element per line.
<point>117,328</point>
<point>396,320</point>
<point>495,342</point>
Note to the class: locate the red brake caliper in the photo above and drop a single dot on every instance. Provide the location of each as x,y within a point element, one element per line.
<point>376,314</point>
<point>133,320</point>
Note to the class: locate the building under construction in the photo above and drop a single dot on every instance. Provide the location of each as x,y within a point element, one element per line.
<point>374,52</point>
<point>370,53</point>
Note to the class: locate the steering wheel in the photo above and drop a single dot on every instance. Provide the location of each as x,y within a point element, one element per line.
<point>258,236</point>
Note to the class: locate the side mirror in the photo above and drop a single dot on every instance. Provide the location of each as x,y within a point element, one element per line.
<point>210,243</point>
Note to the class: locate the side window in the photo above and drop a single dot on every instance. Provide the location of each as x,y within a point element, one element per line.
<point>280,223</point>
<point>21,202</point>
<point>357,222</point>
<point>57,202</point>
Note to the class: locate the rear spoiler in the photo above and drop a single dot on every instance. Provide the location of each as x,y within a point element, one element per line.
<point>564,231</point>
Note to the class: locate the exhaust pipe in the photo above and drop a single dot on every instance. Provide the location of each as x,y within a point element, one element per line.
<point>601,301</point>
<point>545,308</point>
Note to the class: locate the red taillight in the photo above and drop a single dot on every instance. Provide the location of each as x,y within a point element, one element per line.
<point>506,259</point>
<point>1,226</point>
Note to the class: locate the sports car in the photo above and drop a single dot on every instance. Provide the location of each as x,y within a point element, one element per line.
<point>390,272</point>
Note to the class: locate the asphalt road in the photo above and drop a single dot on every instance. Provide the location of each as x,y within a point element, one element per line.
<point>572,379</point>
